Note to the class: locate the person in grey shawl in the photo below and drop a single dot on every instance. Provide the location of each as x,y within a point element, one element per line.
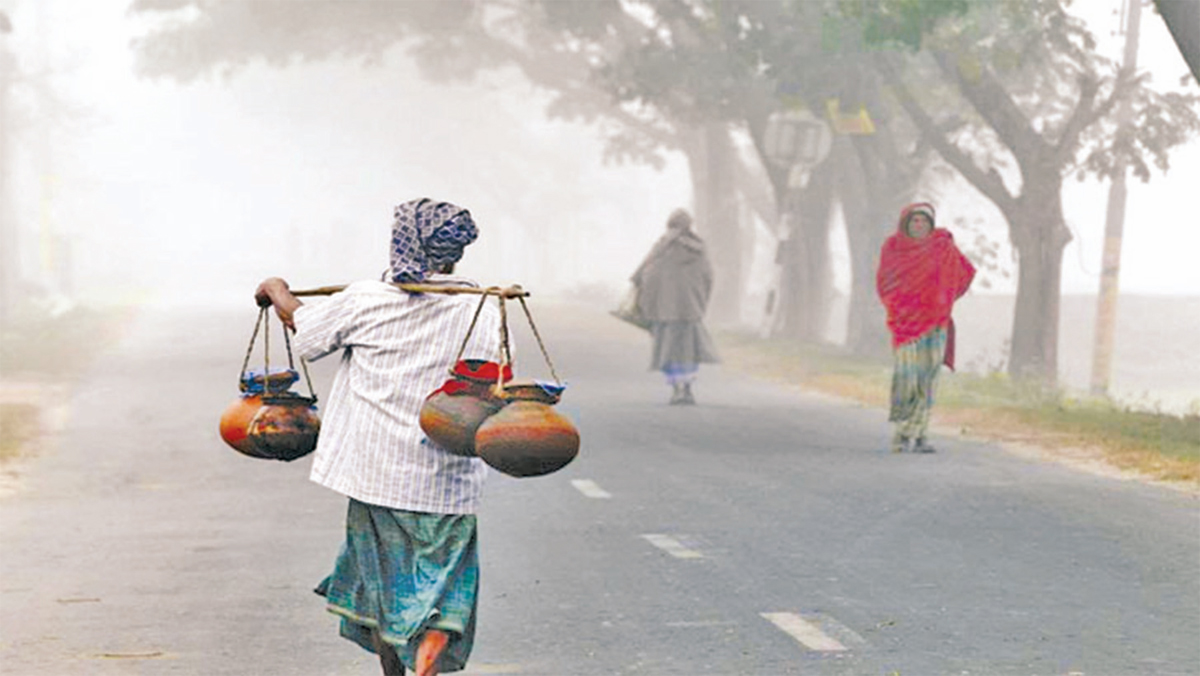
<point>673,284</point>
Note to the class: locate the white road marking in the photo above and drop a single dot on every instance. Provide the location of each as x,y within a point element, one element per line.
<point>483,669</point>
<point>804,632</point>
<point>590,488</point>
<point>701,623</point>
<point>672,546</point>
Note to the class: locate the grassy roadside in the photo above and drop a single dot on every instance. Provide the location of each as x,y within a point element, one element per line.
<point>1155,446</point>
<point>39,355</point>
<point>18,426</point>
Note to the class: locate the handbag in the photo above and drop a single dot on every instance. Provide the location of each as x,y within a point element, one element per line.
<point>628,310</point>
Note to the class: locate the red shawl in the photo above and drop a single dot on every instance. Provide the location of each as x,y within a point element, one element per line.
<point>919,280</point>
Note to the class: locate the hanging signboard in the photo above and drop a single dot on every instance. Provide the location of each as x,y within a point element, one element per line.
<point>852,125</point>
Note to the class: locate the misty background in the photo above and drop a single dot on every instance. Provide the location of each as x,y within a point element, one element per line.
<point>138,189</point>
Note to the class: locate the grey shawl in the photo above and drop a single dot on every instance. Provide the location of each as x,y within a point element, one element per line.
<point>675,280</point>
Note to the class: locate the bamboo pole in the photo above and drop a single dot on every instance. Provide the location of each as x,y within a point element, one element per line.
<point>514,291</point>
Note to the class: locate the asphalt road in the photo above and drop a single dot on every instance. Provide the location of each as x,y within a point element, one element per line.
<point>764,531</point>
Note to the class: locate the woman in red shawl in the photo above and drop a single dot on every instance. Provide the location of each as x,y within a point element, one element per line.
<point>921,274</point>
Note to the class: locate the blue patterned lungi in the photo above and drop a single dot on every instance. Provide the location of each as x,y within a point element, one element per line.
<point>403,572</point>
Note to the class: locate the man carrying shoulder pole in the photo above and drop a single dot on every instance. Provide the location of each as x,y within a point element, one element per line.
<point>406,581</point>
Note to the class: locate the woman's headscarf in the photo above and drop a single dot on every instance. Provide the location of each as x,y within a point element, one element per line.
<point>906,214</point>
<point>919,278</point>
<point>679,234</point>
<point>426,236</point>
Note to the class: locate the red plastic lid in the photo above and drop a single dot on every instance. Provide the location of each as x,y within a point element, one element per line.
<point>483,371</point>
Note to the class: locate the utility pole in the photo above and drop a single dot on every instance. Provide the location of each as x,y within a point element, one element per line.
<point>1114,223</point>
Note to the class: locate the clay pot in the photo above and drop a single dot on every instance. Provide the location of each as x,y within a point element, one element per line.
<point>279,427</point>
<point>527,437</point>
<point>451,415</point>
<point>235,423</point>
<point>451,420</point>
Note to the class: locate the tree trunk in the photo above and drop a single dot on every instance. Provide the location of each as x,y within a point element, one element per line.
<point>868,208</point>
<point>1039,235</point>
<point>807,284</point>
<point>712,161</point>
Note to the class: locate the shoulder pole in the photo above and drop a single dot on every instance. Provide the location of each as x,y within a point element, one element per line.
<point>514,291</point>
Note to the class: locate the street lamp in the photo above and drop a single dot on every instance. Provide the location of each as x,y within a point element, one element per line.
<point>798,141</point>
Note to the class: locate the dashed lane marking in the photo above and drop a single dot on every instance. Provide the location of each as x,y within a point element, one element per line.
<point>672,546</point>
<point>590,489</point>
<point>484,669</point>
<point>701,623</point>
<point>806,633</point>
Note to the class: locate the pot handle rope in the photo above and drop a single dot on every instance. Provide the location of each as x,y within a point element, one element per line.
<point>505,348</point>
<point>264,321</point>
<point>538,336</point>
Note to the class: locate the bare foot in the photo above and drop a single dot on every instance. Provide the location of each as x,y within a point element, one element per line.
<point>433,644</point>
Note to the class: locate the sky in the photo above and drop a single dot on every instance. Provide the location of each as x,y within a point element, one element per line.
<point>196,192</point>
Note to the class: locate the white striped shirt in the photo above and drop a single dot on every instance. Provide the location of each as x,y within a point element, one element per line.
<point>396,348</point>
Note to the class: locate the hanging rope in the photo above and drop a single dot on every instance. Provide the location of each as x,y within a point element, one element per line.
<point>250,349</point>
<point>541,345</point>
<point>287,340</point>
<point>505,352</point>
<point>267,353</point>
<point>505,346</point>
<point>471,329</point>
<point>264,323</point>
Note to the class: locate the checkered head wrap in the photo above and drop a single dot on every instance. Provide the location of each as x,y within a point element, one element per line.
<point>427,235</point>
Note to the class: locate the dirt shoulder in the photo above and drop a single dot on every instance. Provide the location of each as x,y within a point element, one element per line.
<point>41,357</point>
<point>1128,462</point>
<point>1098,439</point>
<point>31,412</point>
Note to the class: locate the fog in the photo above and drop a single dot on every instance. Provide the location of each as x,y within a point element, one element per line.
<point>196,192</point>
<point>150,190</point>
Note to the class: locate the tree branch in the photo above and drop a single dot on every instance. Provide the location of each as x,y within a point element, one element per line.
<point>1085,114</point>
<point>575,89</point>
<point>987,182</point>
<point>993,103</point>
